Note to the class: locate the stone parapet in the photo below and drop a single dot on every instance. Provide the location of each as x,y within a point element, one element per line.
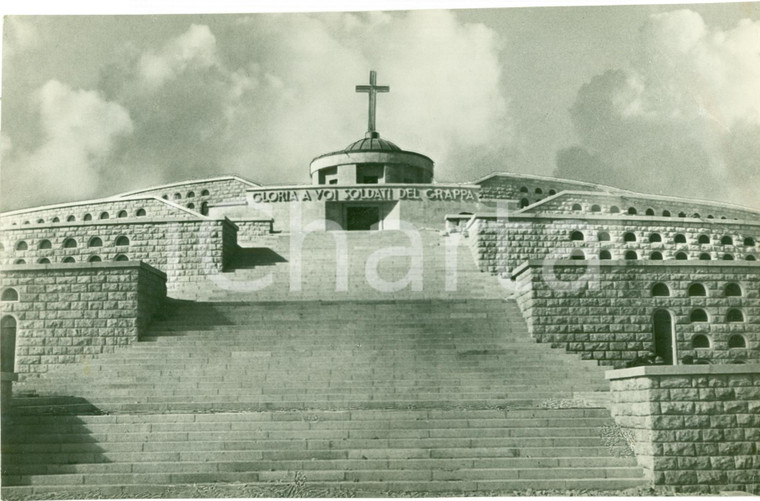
<point>693,428</point>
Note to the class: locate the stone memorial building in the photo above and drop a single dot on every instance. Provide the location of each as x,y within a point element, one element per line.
<point>378,332</point>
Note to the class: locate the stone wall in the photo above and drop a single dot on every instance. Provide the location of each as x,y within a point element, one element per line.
<point>583,203</point>
<point>505,243</point>
<point>67,313</point>
<point>604,310</point>
<point>184,250</point>
<point>209,191</point>
<point>94,211</point>
<point>693,428</point>
<point>250,229</point>
<point>515,187</point>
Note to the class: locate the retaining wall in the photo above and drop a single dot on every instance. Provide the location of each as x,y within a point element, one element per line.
<point>604,310</point>
<point>65,313</point>
<point>693,428</point>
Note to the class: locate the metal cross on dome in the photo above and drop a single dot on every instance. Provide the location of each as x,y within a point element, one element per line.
<point>372,89</point>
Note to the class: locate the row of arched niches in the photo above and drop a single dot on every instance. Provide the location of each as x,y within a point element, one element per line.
<point>654,246</point>
<point>101,250</point>
<point>705,315</point>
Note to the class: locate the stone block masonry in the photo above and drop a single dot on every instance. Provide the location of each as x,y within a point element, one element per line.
<point>604,310</point>
<point>186,250</point>
<point>65,313</point>
<point>693,428</point>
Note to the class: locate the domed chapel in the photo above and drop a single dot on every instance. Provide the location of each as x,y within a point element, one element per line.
<point>378,332</point>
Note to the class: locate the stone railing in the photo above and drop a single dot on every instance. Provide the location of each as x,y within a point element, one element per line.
<point>693,428</point>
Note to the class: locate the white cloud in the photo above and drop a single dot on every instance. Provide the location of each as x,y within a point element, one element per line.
<point>80,130</point>
<point>676,120</point>
<point>194,48</point>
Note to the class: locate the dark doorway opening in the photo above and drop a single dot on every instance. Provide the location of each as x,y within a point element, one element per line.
<point>7,344</point>
<point>362,218</point>
<point>663,336</point>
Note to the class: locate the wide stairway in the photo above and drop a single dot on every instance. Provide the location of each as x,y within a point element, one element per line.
<point>402,394</point>
<point>347,265</point>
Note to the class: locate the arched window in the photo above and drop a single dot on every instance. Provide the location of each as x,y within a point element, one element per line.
<point>94,259</point>
<point>122,240</point>
<point>649,212</point>
<point>190,194</point>
<point>56,220</point>
<point>614,209</point>
<point>660,289</point>
<point>603,236</point>
<point>698,315</point>
<point>21,245</point>
<point>596,208</point>
<point>70,219</point>
<point>750,257</point>
<point>205,193</point>
<point>95,242</point>
<point>737,341</point>
<point>69,243</point>
<point>43,260</point>
<point>177,196</point>
<point>577,254</point>
<point>631,255</point>
<point>40,221</point>
<point>681,214</point>
<point>696,290</point>
<point>140,212</point>
<point>523,203</point>
<point>696,215</point>
<point>165,197</point>
<point>20,261</point>
<point>539,191</point>
<point>191,206</point>
<point>45,244</point>
<point>728,257</point>
<point>749,241</point>
<point>703,239</point>
<point>26,222</point>
<point>8,344</point>
<point>679,239</point>
<point>734,315</point>
<point>121,257</point>
<point>733,289</point>
<point>655,237</point>
<point>666,213</point>
<point>576,235</point>
<point>204,207</point>
<point>9,294</point>
<point>577,207</point>
<point>682,256</point>
<point>523,189</point>
<point>726,240</point>
<point>629,237</point>
<point>104,215</point>
<point>552,192</point>
<point>632,211</point>
<point>605,254</point>
<point>87,217</point>
<point>122,213</point>
<point>656,256</point>
<point>700,341</point>
<point>704,256</point>
<point>710,216</point>
<point>69,259</point>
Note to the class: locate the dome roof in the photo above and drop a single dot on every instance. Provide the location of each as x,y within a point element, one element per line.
<point>373,142</point>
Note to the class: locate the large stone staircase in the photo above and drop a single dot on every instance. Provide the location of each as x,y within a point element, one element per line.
<point>427,393</point>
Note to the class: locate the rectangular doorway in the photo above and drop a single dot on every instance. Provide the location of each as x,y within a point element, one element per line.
<point>362,218</point>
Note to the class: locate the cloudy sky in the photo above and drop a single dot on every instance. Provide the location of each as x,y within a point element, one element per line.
<point>662,99</point>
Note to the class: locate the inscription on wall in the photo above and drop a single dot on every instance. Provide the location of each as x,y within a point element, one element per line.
<point>364,194</point>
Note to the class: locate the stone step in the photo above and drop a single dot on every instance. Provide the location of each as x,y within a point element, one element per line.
<point>315,488</point>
